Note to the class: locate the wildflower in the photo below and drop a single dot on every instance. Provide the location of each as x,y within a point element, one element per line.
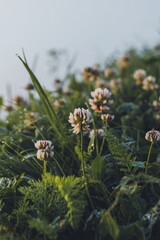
<point>43,144</point>
<point>139,75</point>
<point>156,105</point>
<point>8,108</point>
<point>90,74</point>
<point>29,86</point>
<point>123,62</point>
<point>152,136</point>
<point>57,80</point>
<point>60,102</point>
<point>157,117</point>
<point>30,119</point>
<point>149,83</point>
<point>19,101</point>
<point>80,120</point>
<point>115,84</point>
<point>100,133</point>
<point>44,154</point>
<point>109,72</point>
<point>58,89</point>
<point>107,117</point>
<point>100,100</point>
<point>100,83</point>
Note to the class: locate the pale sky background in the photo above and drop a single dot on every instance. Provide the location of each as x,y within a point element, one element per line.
<point>91,29</point>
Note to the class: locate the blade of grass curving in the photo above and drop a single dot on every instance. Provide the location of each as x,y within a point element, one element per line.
<point>52,116</point>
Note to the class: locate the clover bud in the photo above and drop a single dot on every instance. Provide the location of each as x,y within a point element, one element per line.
<point>152,136</point>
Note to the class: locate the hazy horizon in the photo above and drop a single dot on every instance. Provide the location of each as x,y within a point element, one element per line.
<point>90,29</point>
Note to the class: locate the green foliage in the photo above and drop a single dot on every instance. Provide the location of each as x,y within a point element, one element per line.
<point>120,153</point>
<point>108,226</point>
<point>72,190</point>
<point>104,192</point>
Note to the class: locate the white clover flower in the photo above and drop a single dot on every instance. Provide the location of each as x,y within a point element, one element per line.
<point>101,95</point>
<point>44,154</point>
<point>100,100</point>
<point>100,83</point>
<point>123,62</point>
<point>100,133</point>
<point>108,72</point>
<point>152,136</point>
<point>139,75</point>
<point>149,83</point>
<point>80,120</point>
<point>107,117</point>
<point>156,105</point>
<point>44,144</point>
<point>115,84</point>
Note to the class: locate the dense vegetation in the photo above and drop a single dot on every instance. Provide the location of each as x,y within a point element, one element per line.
<point>95,174</point>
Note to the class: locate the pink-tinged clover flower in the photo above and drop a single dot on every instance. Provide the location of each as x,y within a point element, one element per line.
<point>139,75</point>
<point>44,154</point>
<point>152,136</point>
<point>100,100</point>
<point>107,117</point>
<point>43,144</point>
<point>45,149</point>
<point>149,83</point>
<point>80,120</point>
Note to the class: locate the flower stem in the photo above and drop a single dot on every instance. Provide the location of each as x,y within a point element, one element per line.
<point>94,127</point>
<point>148,157</point>
<point>83,171</point>
<point>59,167</point>
<point>44,167</point>
<point>102,146</point>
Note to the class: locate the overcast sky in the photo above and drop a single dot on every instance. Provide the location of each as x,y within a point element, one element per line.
<point>91,29</point>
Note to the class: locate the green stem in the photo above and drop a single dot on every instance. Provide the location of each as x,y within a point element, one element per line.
<point>44,167</point>
<point>148,157</point>
<point>105,126</point>
<point>83,171</point>
<point>94,127</point>
<point>45,188</point>
<point>59,167</point>
<point>82,160</point>
<point>102,146</point>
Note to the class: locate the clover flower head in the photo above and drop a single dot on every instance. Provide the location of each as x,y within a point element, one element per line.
<point>44,144</point>
<point>99,132</point>
<point>149,83</point>
<point>156,105</point>
<point>139,75</point>
<point>100,100</point>
<point>29,86</point>
<point>19,101</point>
<point>91,74</point>
<point>123,62</point>
<point>107,117</point>
<point>100,83</point>
<point>44,154</point>
<point>115,84</point>
<point>59,102</point>
<point>108,72</point>
<point>80,120</point>
<point>8,108</point>
<point>45,149</point>
<point>152,136</point>
<point>101,94</point>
